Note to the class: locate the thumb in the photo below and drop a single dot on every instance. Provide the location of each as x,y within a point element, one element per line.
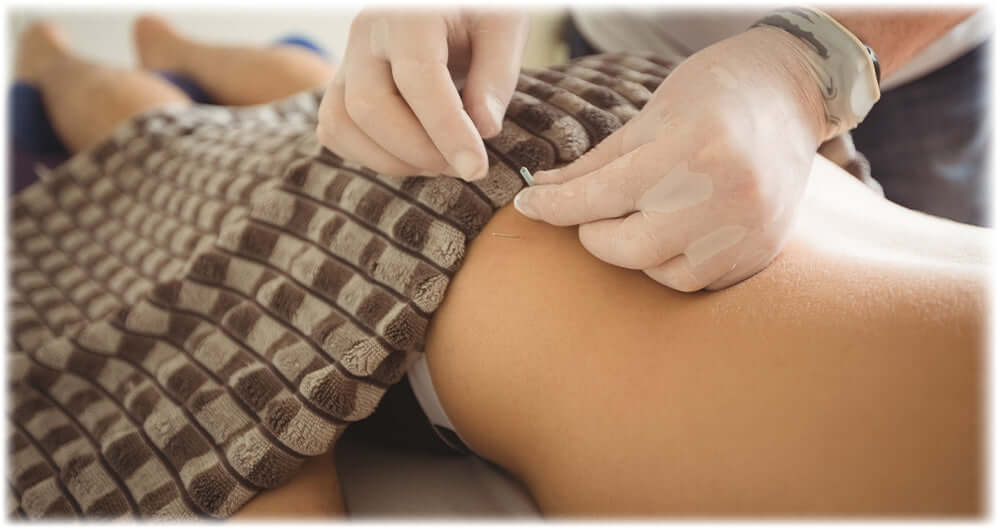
<point>497,45</point>
<point>604,153</point>
<point>609,191</point>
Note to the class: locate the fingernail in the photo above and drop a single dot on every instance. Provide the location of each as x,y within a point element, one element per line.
<point>526,209</point>
<point>467,165</point>
<point>496,109</point>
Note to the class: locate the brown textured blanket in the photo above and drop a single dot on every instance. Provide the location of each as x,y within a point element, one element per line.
<point>208,297</point>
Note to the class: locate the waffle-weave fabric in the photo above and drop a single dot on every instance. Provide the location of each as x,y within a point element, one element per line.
<point>208,297</point>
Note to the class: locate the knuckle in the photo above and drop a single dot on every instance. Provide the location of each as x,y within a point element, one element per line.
<point>748,193</point>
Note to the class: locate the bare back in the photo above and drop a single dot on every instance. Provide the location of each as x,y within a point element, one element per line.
<point>842,379</point>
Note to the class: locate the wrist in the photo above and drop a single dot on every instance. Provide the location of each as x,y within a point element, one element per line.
<point>797,84</point>
<point>843,68</point>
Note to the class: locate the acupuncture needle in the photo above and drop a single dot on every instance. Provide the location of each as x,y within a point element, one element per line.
<point>528,179</point>
<point>526,175</point>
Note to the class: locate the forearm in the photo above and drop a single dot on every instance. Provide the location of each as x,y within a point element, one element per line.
<point>897,35</point>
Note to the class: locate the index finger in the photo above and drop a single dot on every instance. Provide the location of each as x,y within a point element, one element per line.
<point>607,192</point>
<point>418,53</point>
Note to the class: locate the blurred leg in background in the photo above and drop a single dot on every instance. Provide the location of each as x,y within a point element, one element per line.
<point>85,101</point>
<point>232,75</point>
<point>51,83</point>
<point>78,103</point>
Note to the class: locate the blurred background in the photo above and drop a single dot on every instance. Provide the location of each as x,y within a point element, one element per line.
<point>926,141</point>
<point>104,34</point>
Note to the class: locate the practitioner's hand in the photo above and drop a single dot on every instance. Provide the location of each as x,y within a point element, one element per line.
<point>394,105</point>
<point>700,189</point>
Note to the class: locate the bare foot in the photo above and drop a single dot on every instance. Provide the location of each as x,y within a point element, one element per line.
<point>159,45</point>
<point>39,47</point>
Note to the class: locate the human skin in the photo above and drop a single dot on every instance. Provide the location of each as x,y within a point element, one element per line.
<point>231,74</point>
<point>86,101</point>
<point>845,379</point>
<point>745,114</point>
<point>313,494</point>
<point>898,35</point>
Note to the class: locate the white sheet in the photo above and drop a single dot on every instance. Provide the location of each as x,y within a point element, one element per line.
<point>379,482</point>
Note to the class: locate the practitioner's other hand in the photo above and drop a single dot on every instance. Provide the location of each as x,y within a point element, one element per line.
<point>700,189</point>
<point>395,105</point>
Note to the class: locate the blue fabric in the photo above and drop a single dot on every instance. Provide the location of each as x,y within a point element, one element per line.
<point>186,85</point>
<point>298,40</point>
<point>578,45</point>
<point>928,141</point>
<point>28,122</point>
<point>34,140</point>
